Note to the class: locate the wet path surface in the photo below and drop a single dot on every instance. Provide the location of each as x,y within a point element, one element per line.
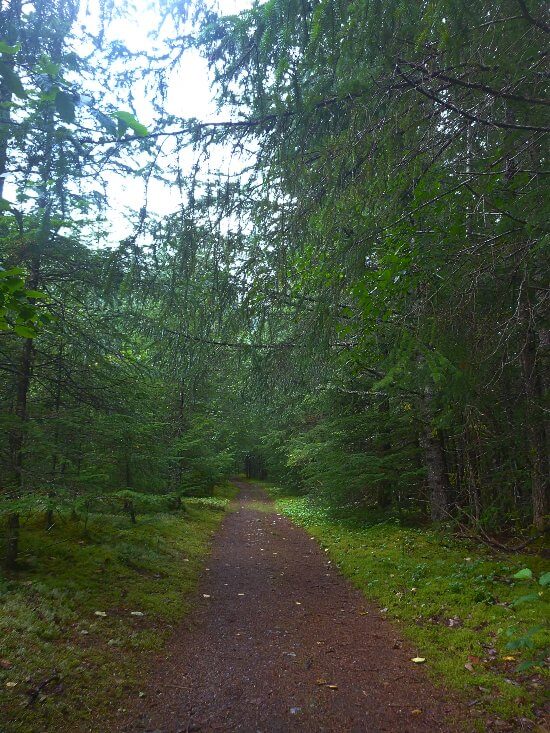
<point>280,641</point>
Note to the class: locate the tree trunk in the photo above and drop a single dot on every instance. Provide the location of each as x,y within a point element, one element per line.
<point>49,511</point>
<point>383,491</point>
<point>438,482</point>
<point>12,541</point>
<point>431,441</point>
<point>128,468</point>
<point>12,22</point>
<point>20,410</point>
<point>129,507</point>
<point>536,436</point>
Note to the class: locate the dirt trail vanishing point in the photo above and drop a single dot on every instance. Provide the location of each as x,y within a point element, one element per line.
<point>280,642</point>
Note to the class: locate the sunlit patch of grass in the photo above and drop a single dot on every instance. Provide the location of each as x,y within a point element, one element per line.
<point>66,667</point>
<point>453,600</point>
<point>261,506</point>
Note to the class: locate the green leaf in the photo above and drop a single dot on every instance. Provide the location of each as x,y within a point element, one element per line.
<point>5,205</point>
<point>9,50</point>
<point>64,105</point>
<point>544,580</point>
<point>525,599</point>
<point>25,331</point>
<point>47,66</point>
<point>129,121</point>
<point>13,82</point>
<point>525,574</point>
<point>12,272</point>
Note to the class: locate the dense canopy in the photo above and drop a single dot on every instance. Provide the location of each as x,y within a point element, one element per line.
<point>350,296</point>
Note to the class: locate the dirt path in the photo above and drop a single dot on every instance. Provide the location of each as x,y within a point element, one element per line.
<point>275,621</point>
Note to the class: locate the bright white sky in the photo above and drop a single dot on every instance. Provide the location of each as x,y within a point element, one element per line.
<point>189,95</point>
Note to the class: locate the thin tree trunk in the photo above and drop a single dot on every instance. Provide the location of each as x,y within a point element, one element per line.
<point>383,492</point>
<point>128,468</point>
<point>431,441</point>
<point>129,507</point>
<point>536,436</point>
<point>12,541</point>
<point>13,18</point>
<point>12,23</point>
<point>438,482</point>
<point>20,409</point>
<point>49,511</point>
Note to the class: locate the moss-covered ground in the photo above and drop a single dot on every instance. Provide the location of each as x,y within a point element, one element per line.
<point>89,604</point>
<point>481,631</point>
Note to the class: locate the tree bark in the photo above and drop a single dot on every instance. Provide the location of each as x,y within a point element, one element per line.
<point>129,507</point>
<point>431,441</point>
<point>438,482</point>
<point>20,409</point>
<point>383,491</point>
<point>536,434</point>
<point>12,541</point>
<point>11,21</point>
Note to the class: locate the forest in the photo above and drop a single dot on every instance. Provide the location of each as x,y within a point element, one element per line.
<point>347,302</point>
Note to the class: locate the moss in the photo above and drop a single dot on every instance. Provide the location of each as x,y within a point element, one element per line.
<point>49,628</point>
<point>453,600</point>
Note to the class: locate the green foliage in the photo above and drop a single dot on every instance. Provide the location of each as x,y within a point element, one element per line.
<point>372,260</point>
<point>126,120</point>
<point>19,307</point>
<point>525,574</point>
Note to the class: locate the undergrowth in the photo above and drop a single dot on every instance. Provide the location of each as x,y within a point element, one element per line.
<point>481,630</point>
<point>89,604</point>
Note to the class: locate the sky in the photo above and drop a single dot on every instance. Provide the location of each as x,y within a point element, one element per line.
<point>189,95</point>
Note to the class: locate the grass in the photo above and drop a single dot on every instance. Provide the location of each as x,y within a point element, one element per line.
<point>453,600</point>
<point>89,605</point>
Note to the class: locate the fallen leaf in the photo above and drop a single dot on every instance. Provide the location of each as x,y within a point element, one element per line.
<point>416,711</point>
<point>205,595</point>
<point>100,613</point>
<point>5,663</point>
<point>11,684</point>
<point>298,603</point>
<point>320,682</point>
<point>332,687</point>
<point>469,666</point>
<point>137,613</point>
<point>240,594</point>
<point>418,660</point>
<point>509,659</point>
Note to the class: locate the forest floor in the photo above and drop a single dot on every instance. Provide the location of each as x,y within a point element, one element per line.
<point>281,641</point>
<point>137,628</point>
<point>89,604</point>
